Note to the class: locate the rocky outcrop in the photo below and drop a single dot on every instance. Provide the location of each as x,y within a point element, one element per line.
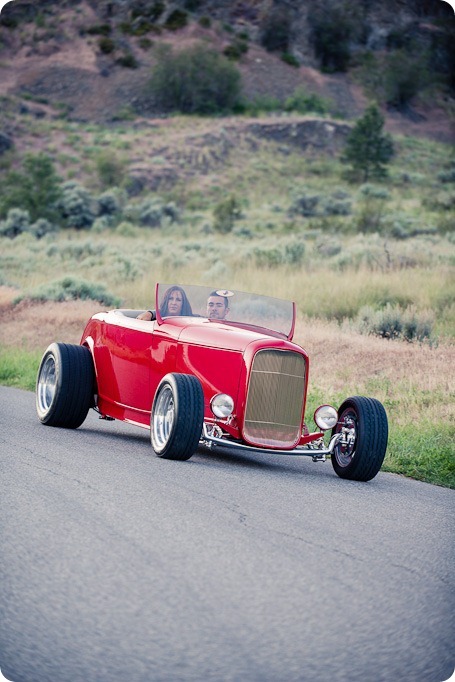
<point>312,134</point>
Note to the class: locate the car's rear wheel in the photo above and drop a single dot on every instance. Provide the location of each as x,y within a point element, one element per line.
<point>362,423</point>
<point>64,386</point>
<point>177,416</point>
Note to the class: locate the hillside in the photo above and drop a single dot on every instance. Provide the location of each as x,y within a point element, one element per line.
<point>92,61</point>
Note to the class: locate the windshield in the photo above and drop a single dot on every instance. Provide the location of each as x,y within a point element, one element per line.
<point>225,305</point>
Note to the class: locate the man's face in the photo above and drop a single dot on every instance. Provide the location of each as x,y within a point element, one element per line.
<point>216,308</point>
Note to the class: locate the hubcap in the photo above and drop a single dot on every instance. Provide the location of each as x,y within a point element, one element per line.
<point>345,449</point>
<point>163,417</point>
<point>47,383</point>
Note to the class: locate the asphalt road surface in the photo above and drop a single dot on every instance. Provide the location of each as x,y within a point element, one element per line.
<point>117,566</point>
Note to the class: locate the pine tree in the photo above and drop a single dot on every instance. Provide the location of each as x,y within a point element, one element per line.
<point>36,189</point>
<point>368,149</point>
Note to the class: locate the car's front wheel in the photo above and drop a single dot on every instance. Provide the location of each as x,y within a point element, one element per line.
<point>64,386</point>
<point>363,429</point>
<point>177,416</point>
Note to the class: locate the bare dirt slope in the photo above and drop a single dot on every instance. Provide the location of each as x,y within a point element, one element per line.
<point>60,65</point>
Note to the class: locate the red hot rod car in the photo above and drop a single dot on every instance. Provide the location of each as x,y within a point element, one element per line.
<point>219,369</point>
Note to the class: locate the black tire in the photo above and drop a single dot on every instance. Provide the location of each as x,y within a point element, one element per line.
<point>366,419</point>
<point>65,385</point>
<point>177,416</point>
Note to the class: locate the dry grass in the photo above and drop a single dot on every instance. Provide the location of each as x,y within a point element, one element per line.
<point>413,379</point>
<point>342,363</point>
<point>35,326</point>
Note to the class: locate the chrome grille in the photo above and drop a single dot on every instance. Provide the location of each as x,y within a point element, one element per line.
<point>275,398</point>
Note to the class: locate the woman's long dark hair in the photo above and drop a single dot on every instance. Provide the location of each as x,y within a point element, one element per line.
<point>186,306</point>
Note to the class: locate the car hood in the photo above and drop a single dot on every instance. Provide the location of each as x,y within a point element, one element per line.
<point>220,335</point>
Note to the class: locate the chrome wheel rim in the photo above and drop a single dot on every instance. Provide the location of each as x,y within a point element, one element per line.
<point>47,384</point>
<point>163,417</point>
<point>345,450</point>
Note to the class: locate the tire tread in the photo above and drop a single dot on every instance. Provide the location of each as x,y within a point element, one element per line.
<point>189,399</point>
<point>74,390</point>
<point>372,437</point>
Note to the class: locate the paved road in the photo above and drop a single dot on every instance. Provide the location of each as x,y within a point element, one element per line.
<point>121,567</point>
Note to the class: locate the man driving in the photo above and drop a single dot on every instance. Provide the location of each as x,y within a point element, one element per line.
<point>217,306</point>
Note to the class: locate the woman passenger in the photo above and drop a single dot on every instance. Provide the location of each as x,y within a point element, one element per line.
<point>175,302</point>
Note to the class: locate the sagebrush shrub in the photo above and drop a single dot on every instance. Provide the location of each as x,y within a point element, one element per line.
<point>152,212</point>
<point>445,224</point>
<point>171,211</point>
<point>42,227</point>
<point>267,258</point>
<point>371,208</point>
<point>392,322</point>
<point>70,289</point>
<point>109,203</point>
<point>306,205</point>
<point>196,80</point>
<point>106,45</point>
<point>177,19</point>
<point>328,249</point>
<point>217,272</point>
<point>17,221</point>
<point>417,326</point>
<point>447,175</point>
<point>289,59</point>
<point>337,204</point>
<point>77,251</point>
<point>441,201</point>
<point>235,50</point>
<point>260,104</point>
<point>225,214</point>
<point>110,168</point>
<point>294,253</point>
<point>103,223</point>
<point>128,61</point>
<point>304,102</point>
<point>76,205</point>
<point>99,30</point>
<point>126,229</point>
<point>404,226</point>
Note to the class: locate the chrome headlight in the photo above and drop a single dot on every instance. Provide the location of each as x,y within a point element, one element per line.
<point>326,417</point>
<point>222,405</point>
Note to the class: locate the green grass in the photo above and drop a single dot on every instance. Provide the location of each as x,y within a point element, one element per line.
<point>19,367</point>
<point>424,451</point>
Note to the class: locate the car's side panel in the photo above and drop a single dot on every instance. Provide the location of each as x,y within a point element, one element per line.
<point>131,357</point>
<point>129,352</point>
<point>217,369</point>
<point>121,350</point>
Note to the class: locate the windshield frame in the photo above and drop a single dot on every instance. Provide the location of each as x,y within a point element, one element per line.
<point>280,309</point>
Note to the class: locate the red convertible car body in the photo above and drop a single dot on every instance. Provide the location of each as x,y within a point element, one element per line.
<point>238,382</point>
